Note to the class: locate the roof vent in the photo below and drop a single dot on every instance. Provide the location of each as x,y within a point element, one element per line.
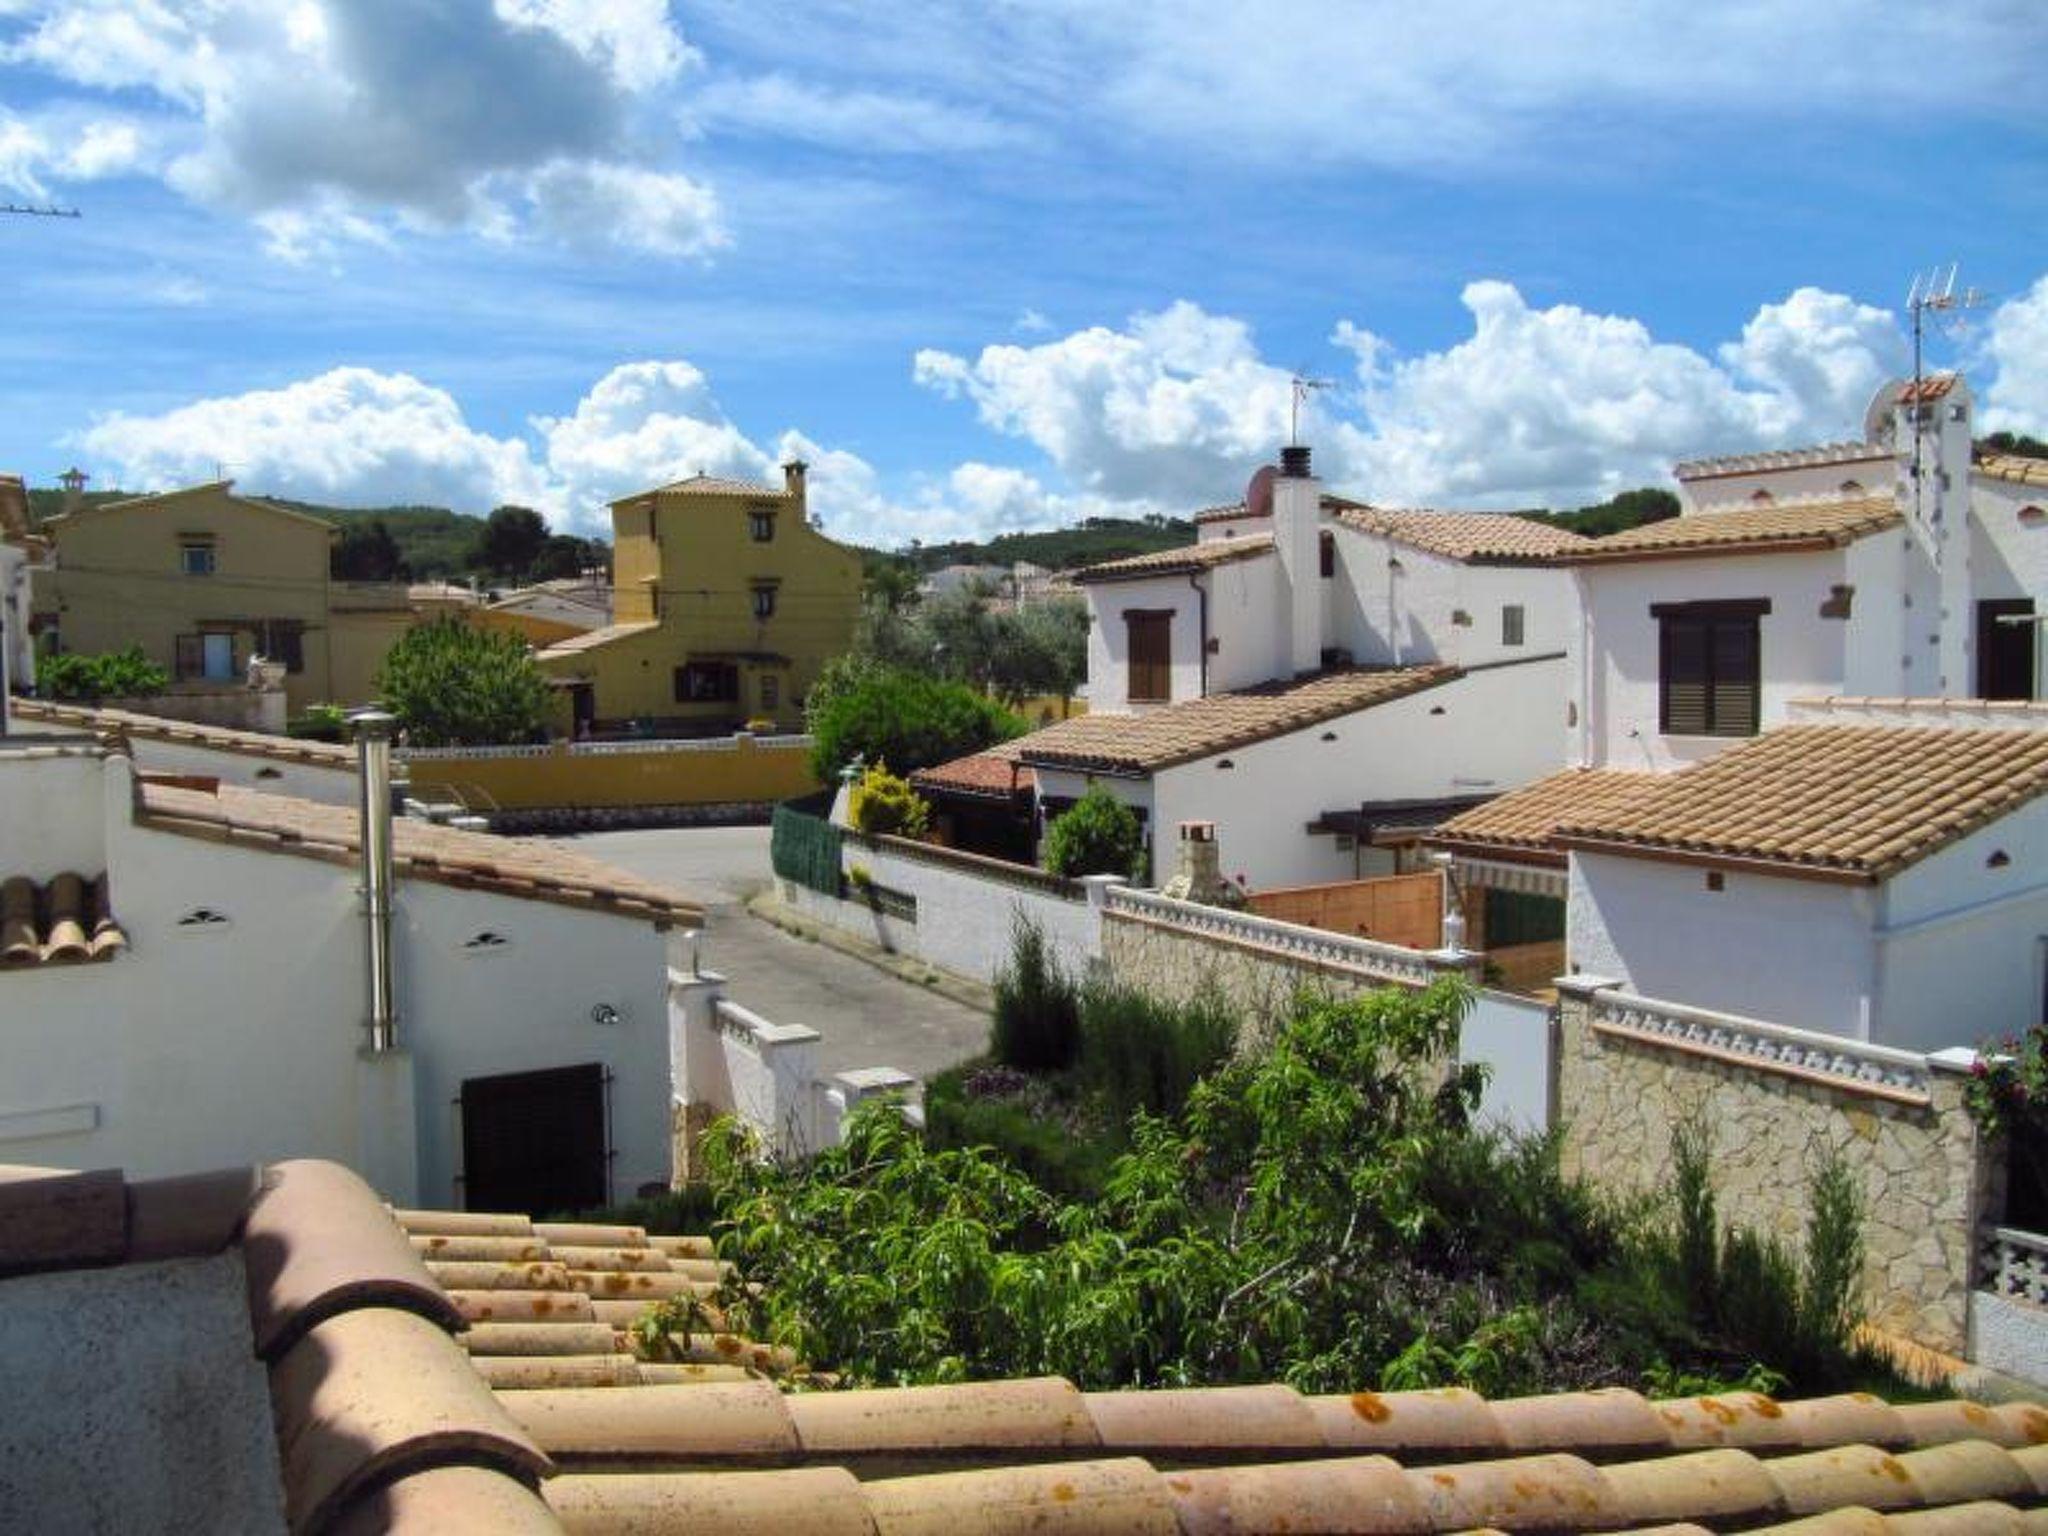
<point>1294,462</point>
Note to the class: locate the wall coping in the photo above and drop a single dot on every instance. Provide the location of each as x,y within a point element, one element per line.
<point>1328,951</point>
<point>736,1019</point>
<point>974,864</point>
<point>737,742</point>
<point>1855,1066</point>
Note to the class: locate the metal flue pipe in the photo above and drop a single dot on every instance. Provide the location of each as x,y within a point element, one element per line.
<point>373,729</point>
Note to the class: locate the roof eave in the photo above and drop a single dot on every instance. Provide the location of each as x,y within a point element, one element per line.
<point>1804,545</point>
<point>1733,863</point>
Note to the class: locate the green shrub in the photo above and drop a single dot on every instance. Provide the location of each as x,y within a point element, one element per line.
<point>452,684</point>
<point>862,709</point>
<point>320,722</point>
<point>1037,1024</point>
<point>113,675</point>
<point>1043,1148</point>
<point>1144,1053</point>
<point>1098,835</point>
<point>883,804</point>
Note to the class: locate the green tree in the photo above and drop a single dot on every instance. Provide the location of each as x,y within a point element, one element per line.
<point>452,684</point>
<point>1097,835</point>
<point>367,552</point>
<point>2017,443</point>
<point>1042,649</point>
<point>125,674</point>
<point>512,540</point>
<point>862,708</point>
<point>564,557</point>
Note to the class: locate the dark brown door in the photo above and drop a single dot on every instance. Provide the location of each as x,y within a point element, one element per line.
<point>1151,656</point>
<point>2005,652</point>
<point>535,1141</point>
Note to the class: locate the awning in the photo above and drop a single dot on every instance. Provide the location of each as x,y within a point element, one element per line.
<point>1393,821</point>
<point>1500,875</point>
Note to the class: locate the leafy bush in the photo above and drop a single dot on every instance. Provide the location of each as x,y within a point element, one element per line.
<point>1144,1053</point>
<point>113,675</point>
<point>320,722</point>
<point>862,709</point>
<point>1045,1147</point>
<point>453,684</point>
<point>1037,1022</point>
<point>882,804</point>
<point>1098,835</point>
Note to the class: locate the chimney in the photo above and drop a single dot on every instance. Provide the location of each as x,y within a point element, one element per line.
<point>1931,434</point>
<point>1297,539</point>
<point>73,480</point>
<point>1199,874</point>
<point>373,755</point>
<point>793,474</point>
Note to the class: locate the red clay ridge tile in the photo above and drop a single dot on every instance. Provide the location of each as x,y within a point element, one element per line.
<point>987,1415</point>
<point>809,1501</point>
<point>450,1501</point>
<point>374,1395</point>
<point>195,1214</point>
<point>319,1243</point>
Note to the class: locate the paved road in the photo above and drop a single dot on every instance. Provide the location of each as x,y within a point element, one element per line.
<point>868,1017</point>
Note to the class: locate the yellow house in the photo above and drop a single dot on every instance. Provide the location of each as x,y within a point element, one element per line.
<point>203,579</point>
<point>725,604</point>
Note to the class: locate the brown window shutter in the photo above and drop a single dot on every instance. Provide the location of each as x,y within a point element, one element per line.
<point>1735,682</point>
<point>1684,669</point>
<point>1151,657</point>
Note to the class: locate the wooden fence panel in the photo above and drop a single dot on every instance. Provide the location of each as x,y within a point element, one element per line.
<point>1399,909</point>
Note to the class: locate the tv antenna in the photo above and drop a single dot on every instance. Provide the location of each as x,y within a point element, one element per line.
<point>1301,386</point>
<point>50,212</point>
<point>1931,294</point>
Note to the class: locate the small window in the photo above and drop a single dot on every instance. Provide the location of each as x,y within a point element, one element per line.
<point>707,682</point>
<point>283,640</point>
<point>761,526</point>
<point>1329,554</point>
<point>1150,655</point>
<point>1511,622</point>
<point>1709,671</point>
<point>771,691</point>
<point>764,602</point>
<point>195,557</point>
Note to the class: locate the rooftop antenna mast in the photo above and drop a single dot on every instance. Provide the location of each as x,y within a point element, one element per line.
<point>1301,386</point>
<point>50,212</point>
<point>1935,293</point>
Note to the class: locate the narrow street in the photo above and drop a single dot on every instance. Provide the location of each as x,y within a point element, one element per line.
<point>868,1018</point>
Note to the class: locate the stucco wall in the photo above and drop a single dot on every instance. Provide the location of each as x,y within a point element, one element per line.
<point>1918,1167</point>
<point>235,1041</point>
<point>55,819</point>
<point>1392,616</point>
<point>1109,639</point>
<point>725,771</point>
<point>1797,952</point>
<point>1802,653</point>
<point>1872,477</point>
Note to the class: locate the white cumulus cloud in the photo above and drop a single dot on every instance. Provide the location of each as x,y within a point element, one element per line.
<point>2016,347</point>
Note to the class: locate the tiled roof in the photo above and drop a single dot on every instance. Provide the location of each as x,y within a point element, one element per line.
<point>367,1390</point>
<point>1237,510</point>
<point>2013,467</point>
<point>1780,458</point>
<point>1919,392</point>
<point>530,868</point>
<point>1523,820</point>
<point>1173,562</point>
<point>63,921</point>
<point>1488,537</point>
<point>216,738</point>
<point>1824,522</point>
<point>383,1424</point>
<point>577,644</point>
<point>717,485</point>
<point>1180,733</point>
<point>1857,802</point>
<point>997,773</point>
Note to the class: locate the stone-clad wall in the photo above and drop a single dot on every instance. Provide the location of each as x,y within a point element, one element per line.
<point>1921,1167</point>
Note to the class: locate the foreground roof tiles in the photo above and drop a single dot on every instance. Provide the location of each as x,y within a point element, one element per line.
<point>1185,560</point>
<point>66,920</point>
<point>525,867</point>
<point>1523,821</point>
<point>1485,538</point>
<point>1821,523</point>
<point>2013,467</point>
<point>216,738</point>
<point>1180,733</point>
<point>1855,802</point>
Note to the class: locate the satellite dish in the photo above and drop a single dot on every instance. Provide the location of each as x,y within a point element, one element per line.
<point>1258,493</point>
<point>1877,416</point>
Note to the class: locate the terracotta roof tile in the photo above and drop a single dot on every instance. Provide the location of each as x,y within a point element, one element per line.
<point>449,1501</point>
<point>528,867</point>
<point>994,774</point>
<point>1495,538</point>
<point>59,1219</point>
<point>191,1214</point>
<point>1933,386</point>
<point>1188,558</point>
<point>317,1243</point>
<point>590,640</point>
<point>1859,802</point>
<point>745,1421</point>
<point>716,485</point>
<point>987,1417</point>
<point>805,1501</point>
<point>1086,1498</point>
<point>2012,467</point>
<point>1271,1419</point>
<point>1824,522</point>
<point>1524,820</point>
<point>66,920</point>
<point>1179,733</point>
<point>216,738</point>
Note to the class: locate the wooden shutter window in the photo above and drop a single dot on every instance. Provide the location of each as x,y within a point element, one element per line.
<point>188,657</point>
<point>1709,668</point>
<point>1734,659</point>
<point>1150,634</point>
<point>1684,671</point>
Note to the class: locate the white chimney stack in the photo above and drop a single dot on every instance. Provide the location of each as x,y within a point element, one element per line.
<point>1297,539</point>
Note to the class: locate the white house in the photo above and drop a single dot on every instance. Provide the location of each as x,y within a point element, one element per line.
<point>183,970</point>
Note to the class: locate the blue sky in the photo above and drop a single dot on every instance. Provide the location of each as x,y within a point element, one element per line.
<point>994,267</point>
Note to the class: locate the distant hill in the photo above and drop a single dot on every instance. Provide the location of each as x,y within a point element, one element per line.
<point>1651,504</point>
<point>1057,549</point>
